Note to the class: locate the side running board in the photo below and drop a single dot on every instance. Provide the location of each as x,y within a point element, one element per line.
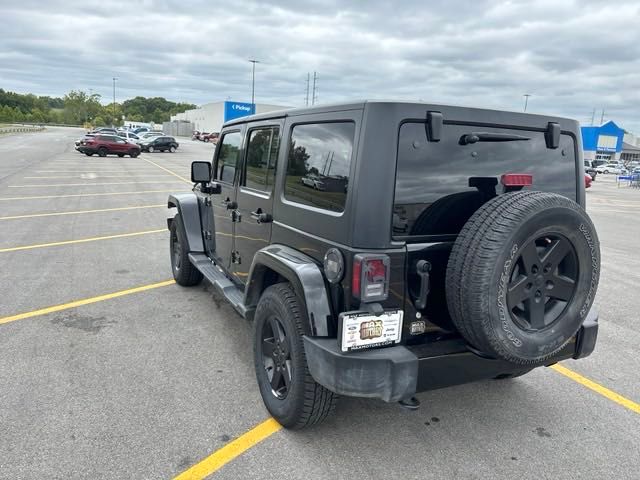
<point>219,280</point>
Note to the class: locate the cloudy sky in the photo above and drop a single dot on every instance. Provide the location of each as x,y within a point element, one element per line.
<point>571,56</point>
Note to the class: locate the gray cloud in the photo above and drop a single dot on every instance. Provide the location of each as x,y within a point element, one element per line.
<point>572,56</point>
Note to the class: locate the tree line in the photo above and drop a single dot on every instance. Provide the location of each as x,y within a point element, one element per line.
<point>79,108</point>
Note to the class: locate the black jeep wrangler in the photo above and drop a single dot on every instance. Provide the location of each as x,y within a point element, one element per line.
<point>383,249</point>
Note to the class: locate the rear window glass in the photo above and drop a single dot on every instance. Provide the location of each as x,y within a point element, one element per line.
<point>318,164</point>
<point>439,185</point>
<point>262,154</point>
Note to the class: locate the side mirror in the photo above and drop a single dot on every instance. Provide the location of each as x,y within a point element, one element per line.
<point>200,172</point>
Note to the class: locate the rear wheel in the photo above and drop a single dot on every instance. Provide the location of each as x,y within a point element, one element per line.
<point>121,155</point>
<point>184,272</point>
<point>88,154</point>
<point>150,149</point>
<point>288,390</point>
<point>172,149</point>
<point>102,152</point>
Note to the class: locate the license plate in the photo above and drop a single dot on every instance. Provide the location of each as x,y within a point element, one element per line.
<point>363,330</point>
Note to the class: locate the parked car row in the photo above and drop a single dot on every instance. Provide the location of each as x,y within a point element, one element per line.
<point>616,168</point>
<point>104,142</point>
<point>205,137</point>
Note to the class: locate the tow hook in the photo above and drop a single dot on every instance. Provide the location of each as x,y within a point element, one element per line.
<point>411,403</point>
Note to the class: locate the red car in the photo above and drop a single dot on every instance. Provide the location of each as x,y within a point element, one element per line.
<point>104,145</point>
<point>587,180</point>
<point>210,137</point>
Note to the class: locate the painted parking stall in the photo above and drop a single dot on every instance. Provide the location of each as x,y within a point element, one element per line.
<point>111,370</point>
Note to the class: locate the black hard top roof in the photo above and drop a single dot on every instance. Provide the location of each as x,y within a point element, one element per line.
<point>359,105</point>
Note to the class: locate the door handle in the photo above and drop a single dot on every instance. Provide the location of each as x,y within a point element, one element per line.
<point>260,217</point>
<point>230,204</point>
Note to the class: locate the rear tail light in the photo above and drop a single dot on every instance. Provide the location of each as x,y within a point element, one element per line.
<point>370,281</point>
<point>517,180</point>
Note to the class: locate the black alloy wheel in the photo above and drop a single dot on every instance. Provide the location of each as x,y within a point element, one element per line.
<point>288,390</point>
<point>102,152</point>
<point>543,282</point>
<point>276,357</point>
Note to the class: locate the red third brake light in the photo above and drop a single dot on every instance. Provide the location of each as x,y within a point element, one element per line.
<point>517,180</point>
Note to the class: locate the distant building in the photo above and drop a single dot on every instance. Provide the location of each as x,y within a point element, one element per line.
<point>211,116</point>
<point>602,144</point>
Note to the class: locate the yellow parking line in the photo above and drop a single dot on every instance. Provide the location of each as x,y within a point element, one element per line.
<point>86,184</point>
<point>169,171</point>
<point>37,197</point>
<point>85,301</point>
<point>80,240</point>
<point>78,212</point>
<point>596,387</point>
<point>220,458</point>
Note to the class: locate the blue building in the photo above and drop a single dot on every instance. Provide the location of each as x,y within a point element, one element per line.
<point>602,144</point>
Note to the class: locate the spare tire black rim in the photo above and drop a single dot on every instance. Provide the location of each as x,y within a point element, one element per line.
<point>276,357</point>
<point>543,282</point>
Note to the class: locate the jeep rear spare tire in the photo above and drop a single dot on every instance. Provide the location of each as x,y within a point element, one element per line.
<point>522,276</point>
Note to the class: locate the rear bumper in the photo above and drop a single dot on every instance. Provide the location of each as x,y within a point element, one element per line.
<point>396,373</point>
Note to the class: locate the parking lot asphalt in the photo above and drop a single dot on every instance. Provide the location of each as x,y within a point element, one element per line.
<point>128,375</point>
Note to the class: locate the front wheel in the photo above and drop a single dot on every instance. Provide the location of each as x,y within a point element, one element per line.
<point>184,272</point>
<point>134,153</point>
<point>89,154</point>
<point>172,149</point>
<point>288,390</point>
<point>121,155</point>
<point>102,152</point>
<point>150,149</point>
<point>606,171</point>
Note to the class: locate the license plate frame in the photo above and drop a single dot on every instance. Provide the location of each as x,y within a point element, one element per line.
<point>380,331</point>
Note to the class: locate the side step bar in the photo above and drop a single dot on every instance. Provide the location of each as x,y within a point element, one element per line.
<point>219,280</point>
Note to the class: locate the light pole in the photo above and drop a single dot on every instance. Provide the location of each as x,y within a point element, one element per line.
<point>114,100</point>
<point>526,100</point>
<point>253,83</point>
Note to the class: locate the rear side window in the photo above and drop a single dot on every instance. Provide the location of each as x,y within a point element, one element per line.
<point>318,164</point>
<point>228,157</point>
<point>439,185</point>
<point>262,154</point>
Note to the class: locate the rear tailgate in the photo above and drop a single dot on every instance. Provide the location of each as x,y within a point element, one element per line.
<point>439,185</point>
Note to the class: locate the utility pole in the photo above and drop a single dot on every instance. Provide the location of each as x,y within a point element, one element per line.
<point>314,96</point>
<point>306,100</point>
<point>114,100</point>
<point>602,117</point>
<point>593,116</point>
<point>526,100</point>
<point>253,84</point>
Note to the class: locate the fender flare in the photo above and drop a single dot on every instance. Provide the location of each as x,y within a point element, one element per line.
<point>187,205</point>
<point>304,275</point>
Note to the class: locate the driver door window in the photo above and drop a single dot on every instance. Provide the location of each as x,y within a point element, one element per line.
<point>228,157</point>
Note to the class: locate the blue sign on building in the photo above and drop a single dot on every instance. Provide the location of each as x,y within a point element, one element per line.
<point>605,138</point>
<point>234,110</point>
